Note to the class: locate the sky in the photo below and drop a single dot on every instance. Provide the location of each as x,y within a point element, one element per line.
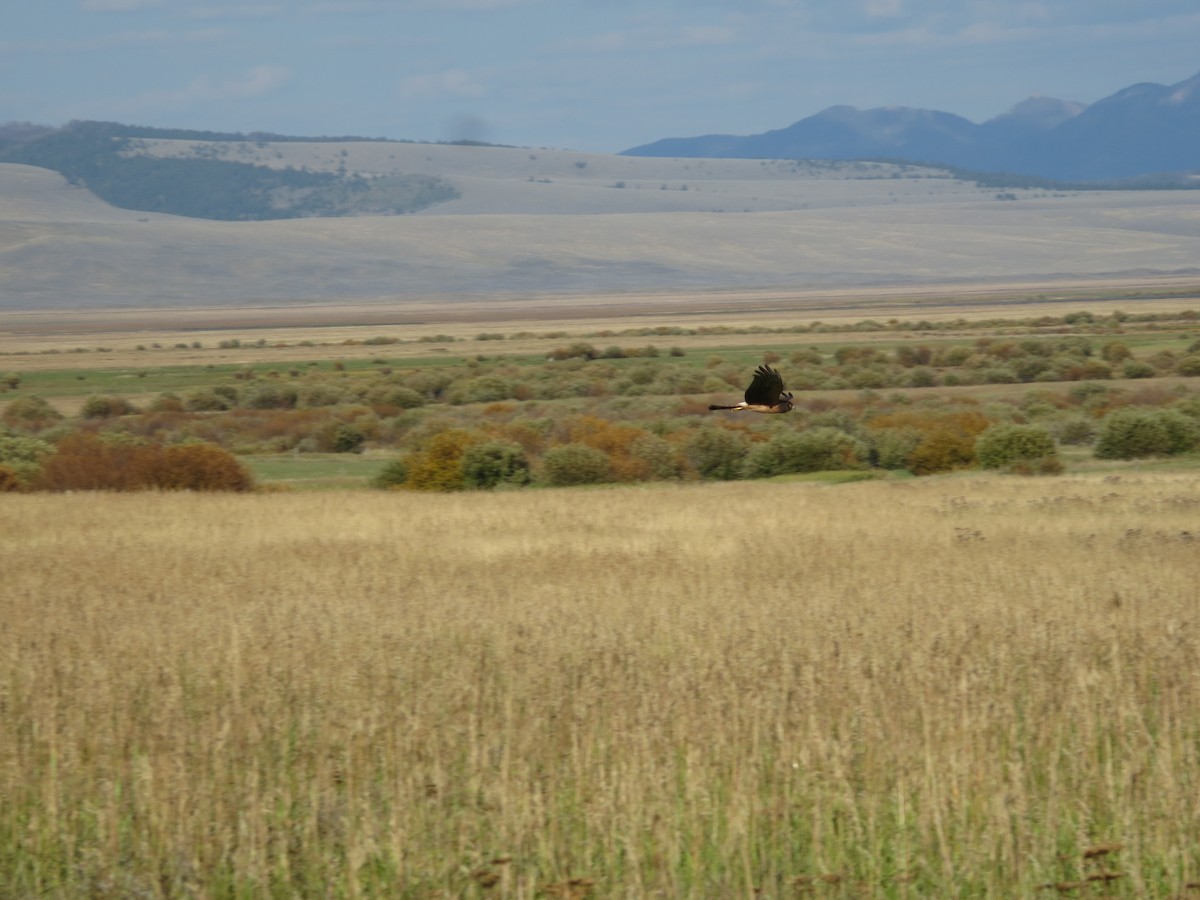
<point>590,75</point>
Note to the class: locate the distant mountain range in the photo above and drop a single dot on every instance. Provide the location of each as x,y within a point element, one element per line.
<point>1146,132</point>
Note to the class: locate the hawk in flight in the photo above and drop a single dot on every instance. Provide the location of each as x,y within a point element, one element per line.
<point>765,394</point>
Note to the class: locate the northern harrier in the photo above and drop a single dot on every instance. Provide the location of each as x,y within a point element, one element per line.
<point>765,394</point>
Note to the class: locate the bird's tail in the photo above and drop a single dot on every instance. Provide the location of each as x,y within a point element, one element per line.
<point>724,407</point>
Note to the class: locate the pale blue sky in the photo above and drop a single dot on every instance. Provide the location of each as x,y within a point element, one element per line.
<point>597,76</point>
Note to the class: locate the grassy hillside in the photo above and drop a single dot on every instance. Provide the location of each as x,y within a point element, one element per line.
<point>104,157</point>
<point>956,687</point>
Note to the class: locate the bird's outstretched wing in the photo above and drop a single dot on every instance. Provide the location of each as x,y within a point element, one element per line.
<point>766,387</point>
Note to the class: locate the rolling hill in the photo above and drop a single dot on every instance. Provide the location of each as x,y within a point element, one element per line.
<point>531,222</point>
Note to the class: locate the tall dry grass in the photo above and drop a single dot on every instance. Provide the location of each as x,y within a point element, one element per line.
<point>950,688</point>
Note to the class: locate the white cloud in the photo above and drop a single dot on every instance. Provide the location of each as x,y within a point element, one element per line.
<point>651,36</point>
<point>357,6</point>
<point>120,40</point>
<point>254,82</point>
<point>927,36</point>
<point>242,11</point>
<point>884,9</point>
<point>451,82</point>
<point>698,35</point>
<point>117,5</point>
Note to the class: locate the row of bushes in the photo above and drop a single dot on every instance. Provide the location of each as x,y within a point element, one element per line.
<point>586,449</point>
<point>584,371</point>
<point>85,461</point>
<point>919,441</point>
<point>1079,322</point>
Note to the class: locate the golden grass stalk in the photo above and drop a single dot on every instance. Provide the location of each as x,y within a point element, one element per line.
<point>682,691</point>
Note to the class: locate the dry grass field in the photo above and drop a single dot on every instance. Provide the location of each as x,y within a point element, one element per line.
<point>953,687</point>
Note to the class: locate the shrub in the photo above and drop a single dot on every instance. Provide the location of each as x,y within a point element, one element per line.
<point>891,448</point>
<point>612,439</point>
<point>494,463</point>
<point>103,407</point>
<point>399,397</point>
<point>393,475</point>
<point>921,376</point>
<point>813,450</point>
<point>578,350</point>
<point>1048,465</point>
<point>22,448</point>
<point>166,402</point>
<point>573,464</point>
<point>348,439</point>
<point>484,389</point>
<point>206,401</point>
<point>657,456</point>
<point>1075,430</point>
<point>1137,369</point>
<point>1135,433</point>
<point>9,482</point>
<point>716,452</point>
<point>265,395</point>
<point>85,461</point>
<point>1115,351</point>
<point>1188,366</point>
<point>947,439</point>
<point>943,449</point>
<point>1003,445</point>
<point>195,467</point>
<point>30,414</point>
<point>21,454</point>
<point>438,466</point>
<point>321,394</point>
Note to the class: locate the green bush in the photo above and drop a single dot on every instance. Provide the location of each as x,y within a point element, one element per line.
<point>400,397</point>
<point>891,448</point>
<point>102,407</point>
<point>21,455</point>
<point>1003,445</point>
<point>813,450</point>
<point>1189,365</point>
<point>1136,433</point>
<point>321,394</point>
<point>484,389</point>
<point>1137,369</point>
<point>265,395</point>
<point>206,401</point>
<point>1075,429</point>
<point>393,475</point>
<point>30,414</point>
<point>573,464</point>
<point>716,453</point>
<point>658,456</point>
<point>494,464</point>
<point>348,439</point>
